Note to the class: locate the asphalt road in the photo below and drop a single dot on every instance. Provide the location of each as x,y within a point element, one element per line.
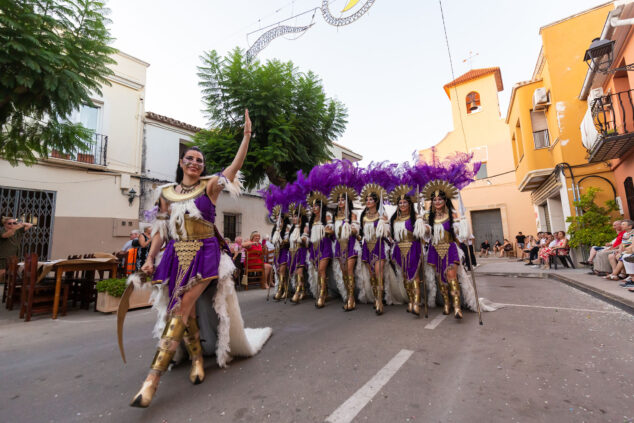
<point>557,355</point>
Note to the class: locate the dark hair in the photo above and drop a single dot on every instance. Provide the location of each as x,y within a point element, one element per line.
<point>365,208</point>
<point>323,209</point>
<point>450,210</point>
<point>412,214</point>
<point>285,222</point>
<point>179,169</point>
<point>350,206</point>
<point>303,220</point>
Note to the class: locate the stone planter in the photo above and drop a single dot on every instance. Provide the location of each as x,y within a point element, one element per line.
<point>107,303</point>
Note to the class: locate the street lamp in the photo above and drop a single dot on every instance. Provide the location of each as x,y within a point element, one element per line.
<point>131,195</point>
<point>594,55</point>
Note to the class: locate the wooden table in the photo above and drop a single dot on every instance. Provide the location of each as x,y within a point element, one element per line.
<point>60,267</point>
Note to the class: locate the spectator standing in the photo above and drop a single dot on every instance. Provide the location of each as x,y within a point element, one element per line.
<point>485,247</point>
<point>520,240</point>
<point>134,234</point>
<point>11,235</point>
<point>142,243</point>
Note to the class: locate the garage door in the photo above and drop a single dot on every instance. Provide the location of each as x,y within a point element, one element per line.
<point>487,225</point>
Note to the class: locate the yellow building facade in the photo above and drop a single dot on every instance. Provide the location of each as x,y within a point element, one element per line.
<point>544,116</point>
<point>496,209</point>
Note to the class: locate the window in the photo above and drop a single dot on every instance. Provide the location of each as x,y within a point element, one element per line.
<point>88,116</point>
<point>473,102</point>
<point>540,130</point>
<point>482,173</point>
<point>232,225</point>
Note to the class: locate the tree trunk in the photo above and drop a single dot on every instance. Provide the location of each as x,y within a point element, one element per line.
<point>275,177</point>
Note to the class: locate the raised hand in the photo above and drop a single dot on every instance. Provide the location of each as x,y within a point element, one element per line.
<point>247,123</point>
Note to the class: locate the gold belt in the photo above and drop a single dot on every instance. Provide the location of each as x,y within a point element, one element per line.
<point>197,229</point>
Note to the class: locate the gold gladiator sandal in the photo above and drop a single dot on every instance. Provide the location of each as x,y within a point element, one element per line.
<point>455,296</point>
<point>172,336</point>
<point>444,291</point>
<point>323,291</point>
<point>379,297</point>
<point>281,285</point>
<point>416,295</point>
<point>195,350</point>
<point>299,291</point>
<point>350,304</point>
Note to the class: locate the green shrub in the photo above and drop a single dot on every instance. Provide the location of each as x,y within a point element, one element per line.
<point>594,225</point>
<point>114,287</point>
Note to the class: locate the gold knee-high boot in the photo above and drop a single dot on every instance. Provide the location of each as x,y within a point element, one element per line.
<point>444,291</point>
<point>281,286</point>
<point>410,295</point>
<point>299,291</point>
<point>195,350</point>
<point>323,291</point>
<point>373,284</point>
<point>379,297</point>
<point>172,336</point>
<point>350,303</point>
<point>416,297</point>
<point>455,296</point>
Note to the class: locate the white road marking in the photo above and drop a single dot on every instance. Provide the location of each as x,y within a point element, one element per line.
<point>353,405</point>
<point>585,310</point>
<point>436,321</point>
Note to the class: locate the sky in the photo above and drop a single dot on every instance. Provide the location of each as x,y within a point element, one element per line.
<point>388,67</point>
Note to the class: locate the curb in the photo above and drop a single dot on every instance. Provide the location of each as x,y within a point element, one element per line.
<point>619,302</point>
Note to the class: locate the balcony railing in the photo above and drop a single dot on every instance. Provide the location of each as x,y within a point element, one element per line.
<point>613,116</point>
<point>96,153</point>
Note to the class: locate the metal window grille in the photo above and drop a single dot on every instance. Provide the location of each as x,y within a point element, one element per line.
<point>33,206</point>
<point>541,139</point>
<point>232,225</point>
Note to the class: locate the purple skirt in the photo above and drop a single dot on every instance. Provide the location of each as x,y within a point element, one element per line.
<point>441,264</point>
<point>321,250</point>
<point>203,266</point>
<point>348,251</point>
<point>377,253</point>
<point>282,257</point>
<point>298,259</point>
<point>410,266</point>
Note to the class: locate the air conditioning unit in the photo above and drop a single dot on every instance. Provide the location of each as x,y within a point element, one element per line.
<point>594,94</point>
<point>541,99</point>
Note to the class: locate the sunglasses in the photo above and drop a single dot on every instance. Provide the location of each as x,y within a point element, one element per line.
<point>12,223</point>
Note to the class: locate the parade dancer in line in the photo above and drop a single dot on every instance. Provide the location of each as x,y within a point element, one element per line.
<point>374,228</point>
<point>298,250</point>
<point>347,247</point>
<point>276,203</point>
<point>320,229</point>
<point>193,260</point>
<point>407,229</point>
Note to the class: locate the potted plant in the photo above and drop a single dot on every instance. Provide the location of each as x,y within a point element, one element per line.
<point>59,155</point>
<point>109,292</point>
<point>86,158</point>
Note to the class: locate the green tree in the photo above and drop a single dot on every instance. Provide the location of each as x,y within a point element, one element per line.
<point>593,226</point>
<point>53,54</point>
<point>293,121</point>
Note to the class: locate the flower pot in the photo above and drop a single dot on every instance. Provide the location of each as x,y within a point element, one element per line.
<point>106,303</point>
<point>86,158</point>
<point>56,154</point>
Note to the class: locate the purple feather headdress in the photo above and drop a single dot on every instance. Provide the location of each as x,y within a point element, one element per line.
<point>274,200</point>
<point>379,178</point>
<point>321,179</point>
<point>346,181</point>
<point>454,172</point>
<point>295,193</point>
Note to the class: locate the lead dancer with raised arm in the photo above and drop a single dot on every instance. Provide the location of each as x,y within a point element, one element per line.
<point>191,262</point>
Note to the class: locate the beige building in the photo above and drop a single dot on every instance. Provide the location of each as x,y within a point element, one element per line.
<point>81,201</point>
<point>495,207</point>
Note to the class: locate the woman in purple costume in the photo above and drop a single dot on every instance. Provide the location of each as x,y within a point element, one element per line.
<point>443,251</point>
<point>279,238</point>
<point>298,250</point>
<point>406,228</point>
<point>320,230</point>
<point>374,231</point>
<point>193,260</point>
<point>346,229</point>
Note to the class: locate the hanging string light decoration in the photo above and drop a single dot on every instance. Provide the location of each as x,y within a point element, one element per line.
<point>280,30</point>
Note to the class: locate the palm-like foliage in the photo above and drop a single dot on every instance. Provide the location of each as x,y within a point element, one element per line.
<point>294,122</point>
<point>53,54</point>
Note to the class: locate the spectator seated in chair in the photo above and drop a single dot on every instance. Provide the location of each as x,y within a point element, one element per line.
<point>497,247</point>
<point>255,245</point>
<point>622,251</point>
<point>11,234</point>
<point>528,246</point>
<point>547,251</point>
<point>601,259</point>
<point>485,248</point>
<point>561,249</point>
<point>506,248</point>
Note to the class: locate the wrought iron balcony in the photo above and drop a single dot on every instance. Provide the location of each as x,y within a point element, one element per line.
<point>613,116</point>
<point>96,153</point>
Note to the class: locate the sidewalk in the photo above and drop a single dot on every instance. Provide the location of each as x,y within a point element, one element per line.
<point>579,278</point>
